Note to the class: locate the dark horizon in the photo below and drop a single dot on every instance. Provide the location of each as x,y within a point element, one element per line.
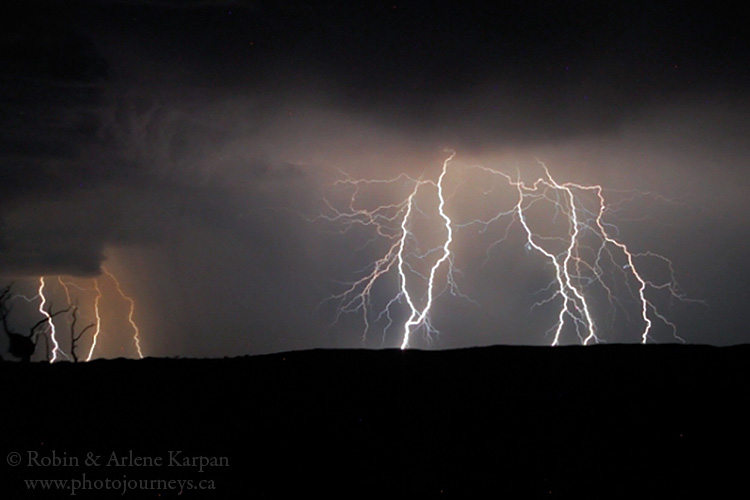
<point>528,422</point>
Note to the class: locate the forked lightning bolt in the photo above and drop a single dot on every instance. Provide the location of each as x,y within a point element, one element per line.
<point>131,311</point>
<point>50,324</point>
<point>573,272</point>
<point>47,319</point>
<point>419,317</point>
<point>393,223</point>
<point>98,327</point>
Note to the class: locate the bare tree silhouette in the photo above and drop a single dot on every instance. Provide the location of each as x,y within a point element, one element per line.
<point>20,346</point>
<point>74,338</point>
<point>23,346</point>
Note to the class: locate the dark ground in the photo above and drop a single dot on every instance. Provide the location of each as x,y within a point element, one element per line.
<point>500,422</point>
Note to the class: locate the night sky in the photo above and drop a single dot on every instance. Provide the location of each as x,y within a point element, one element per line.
<point>188,147</point>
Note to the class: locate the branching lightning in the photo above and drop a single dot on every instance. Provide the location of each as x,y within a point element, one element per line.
<point>574,274</point>
<point>577,256</point>
<point>394,223</point>
<point>50,324</point>
<point>98,328</point>
<point>47,325</point>
<point>418,317</point>
<point>131,302</point>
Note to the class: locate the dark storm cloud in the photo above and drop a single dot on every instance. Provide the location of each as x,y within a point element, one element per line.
<point>88,161</point>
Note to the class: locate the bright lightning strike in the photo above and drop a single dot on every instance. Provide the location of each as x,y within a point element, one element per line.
<point>578,256</point>
<point>136,331</point>
<point>394,223</point>
<point>418,317</point>
<point>50,324</point>
<point>47,326</point>
<point>98,328</point>
<point>573,272</point>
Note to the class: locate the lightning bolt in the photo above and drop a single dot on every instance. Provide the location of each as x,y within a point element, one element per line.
<point>65,287</point>
<point>418,317</point>
<point>25,298</point>
<point>393,223</point>
<point>98,317</point>
<point>50,324</point>
<point>643,284</point>
<point>136,331</point>
<point>575,305</point>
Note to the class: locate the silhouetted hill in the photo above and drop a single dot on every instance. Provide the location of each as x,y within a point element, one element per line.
<point>506,422</point>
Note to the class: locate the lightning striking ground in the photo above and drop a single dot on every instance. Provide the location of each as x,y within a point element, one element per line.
<point>393,222</point>
<point>50,324</point>
<point>574,274</point>
<point>131,311</point>
<point>418,317</point>
<point>73,292</point>
<point>587,258</point>
<point>98,327</point>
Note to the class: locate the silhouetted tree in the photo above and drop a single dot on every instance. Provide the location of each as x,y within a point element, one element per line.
<point>23,346</point>
<point>74,338</point>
